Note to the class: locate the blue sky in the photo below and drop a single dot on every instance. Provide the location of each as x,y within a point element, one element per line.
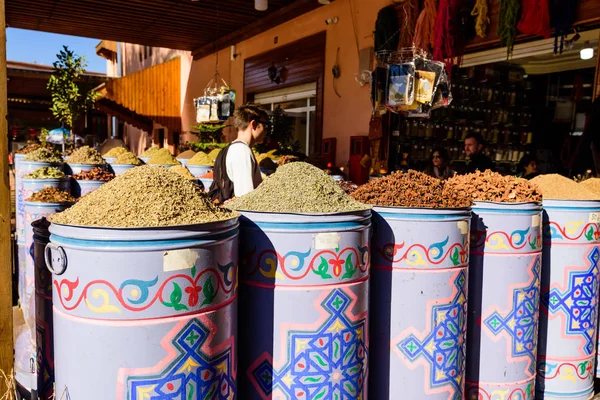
<point>41,47</point>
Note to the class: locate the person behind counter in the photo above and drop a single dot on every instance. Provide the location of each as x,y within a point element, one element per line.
<point>236,171</point>
<point>527,167</point>
<point>439,165</point>
<point>474,145</point>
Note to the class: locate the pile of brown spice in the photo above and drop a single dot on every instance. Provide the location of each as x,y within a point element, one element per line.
<point>86,155</point>
<point>95,174</point>
<point>44,155</point>
<point>491,186</point>
<point>186,155</point>
<point>558,187</point>
<point>348,186</point>
<point>410,189</point>
<point>592,184</point>
<point>51,195</point>
<point>145,196</point>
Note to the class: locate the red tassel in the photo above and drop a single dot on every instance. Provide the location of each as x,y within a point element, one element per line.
<point>445,48</point>
<point>535,18</point>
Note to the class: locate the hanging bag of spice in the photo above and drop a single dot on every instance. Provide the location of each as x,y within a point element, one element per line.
<point>401,84</point>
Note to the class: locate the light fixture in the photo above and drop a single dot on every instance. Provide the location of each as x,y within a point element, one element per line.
<point>261,5</point>
<point>325,2</point>
<point>587,53</point>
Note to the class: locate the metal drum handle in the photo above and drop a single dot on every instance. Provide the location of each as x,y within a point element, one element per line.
<point>61,260</point>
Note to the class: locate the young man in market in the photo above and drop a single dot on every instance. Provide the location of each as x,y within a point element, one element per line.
<point>478,161</point>
<point>236,171</point>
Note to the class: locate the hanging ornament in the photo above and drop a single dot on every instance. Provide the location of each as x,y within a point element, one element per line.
<point>562,15</point>
<point>508,18</point>
<point>424,30</point>
<point>481,12</point>
<point>535,18</point>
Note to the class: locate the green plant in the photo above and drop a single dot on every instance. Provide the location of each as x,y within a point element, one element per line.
<point>70,97</point>
<point>197,146</point>
<point>209,132</point>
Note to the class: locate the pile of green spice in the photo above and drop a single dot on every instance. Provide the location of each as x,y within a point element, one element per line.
<point>44,155</point>
<point>201,158</point>
<point>29,148</point>
<point>116,152</point>
<point>95,174</point>
<point>297,188</point>
<point>163,157</point>
<point>150,152</point>
<point>86,155</point>
<point>183,171</point>
<point>127,158</point>
<point>410,189</point>
<point>491,186</point>
<point>214,153</point>
<point>45,173</point>
<point>146,196</point>
<point>558,187</point>
<point>51,195</point>
<point>186,155</point>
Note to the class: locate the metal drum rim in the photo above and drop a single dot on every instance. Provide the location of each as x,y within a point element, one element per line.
<point>306,218</point>
<point>505,207</point>
<point>46,204</point>
<point>86,165</point>
<point>42,163</point>
<point>174,232</point>
<point>66,178</point>
<point>414,213</point>
<point>571,205</point>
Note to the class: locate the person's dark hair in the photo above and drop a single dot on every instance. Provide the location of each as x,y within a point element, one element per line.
<point>477,136</point>
<point>248,113</point>
<point>525,161</point>
<point>443,154</point>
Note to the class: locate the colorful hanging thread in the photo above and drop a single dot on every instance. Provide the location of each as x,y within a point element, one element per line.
<point>481,12</point>
<point>535,18</point>
<point>408,12</point>
<point>508,18</point>
<point>447,44</point>
<point>425,29</point>
<point>562,15</point>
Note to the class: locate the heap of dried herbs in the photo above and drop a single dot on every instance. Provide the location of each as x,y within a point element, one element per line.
<point>201,158</point>
<point>44,155</point>
<point>46,173</point>
<point>95,174</point>
<point>127,158</point>
<point>51,195</point>
<point>116,152</point>
<point>163,157</point>
<point>86,155</point>
<point>145,196</point>
<point>297,188</point>
<point>183,171</point>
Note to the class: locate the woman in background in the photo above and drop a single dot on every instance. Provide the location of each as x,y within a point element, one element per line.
<point>528,167</point>
<point>439,166</point>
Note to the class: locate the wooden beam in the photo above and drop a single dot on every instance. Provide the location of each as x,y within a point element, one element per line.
<point>6,326</point>
<point>272,20</point>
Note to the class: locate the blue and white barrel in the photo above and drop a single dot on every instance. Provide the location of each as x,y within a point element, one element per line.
<point>82,187</point>
<point>75,169</point>
<point>199,170</point>
<point>118,169</point>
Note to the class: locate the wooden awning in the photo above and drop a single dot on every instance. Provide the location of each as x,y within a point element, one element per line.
<point>153,93</point>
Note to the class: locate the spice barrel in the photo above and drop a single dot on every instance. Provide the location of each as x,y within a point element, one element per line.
<point>503,303</point>
<point>30,186</point>
<point>23,168</point>
<point>43,312</point>
<point>151,311</point>
<point>85,186</point>
<point>109,160</point>
<point>569,311</point>
<point>419,303</point>
<point>118,169</point>
<point>75,169</point>
<point>199,170</point>
<point>304,305</point>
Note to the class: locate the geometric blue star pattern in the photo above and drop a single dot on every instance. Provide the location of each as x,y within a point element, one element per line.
<point>521,323</point>
<point>578,302</point>
<point>443,348</point>
<point>329,363</point>
<point>191,375</point>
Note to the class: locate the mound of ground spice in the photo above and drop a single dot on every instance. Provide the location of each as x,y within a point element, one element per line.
<point>46,173</point>
<point>116,152</point>
<point>44,155</point>
<point>297,188</point>
<point>201,158</point>
<point>183,171</point>
<point>410,189</point>
<point>51,195</point>
<point>150,152</point>
<point>127,158</point>
<point>86,155</point>
<point>186,155</point>
<point>145,196</point>
<point>558,187</point>
<point>491,186</point>
<point>95,174</point>
<point>592,184</point>
<point>214,153</point>
<point>163,157</point>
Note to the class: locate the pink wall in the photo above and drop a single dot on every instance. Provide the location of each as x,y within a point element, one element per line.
<point>343,117</point>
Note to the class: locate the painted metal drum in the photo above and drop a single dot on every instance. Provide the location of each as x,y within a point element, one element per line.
<point>33,212</point>
<point>504,297</point>
<point>569,310</point>
<point>153,312</point>
<point>304,305</point>
<point>83,187</point>
<point>419,300</point>
<point>75,169</point>
<point>118,169</point>
<point>109,160</point>
<point>43,312</point>
<point>199,170</point>
<point>183,161</point>
<point>23,168</point>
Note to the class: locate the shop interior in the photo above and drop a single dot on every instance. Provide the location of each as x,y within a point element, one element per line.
<point>533,104</point>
